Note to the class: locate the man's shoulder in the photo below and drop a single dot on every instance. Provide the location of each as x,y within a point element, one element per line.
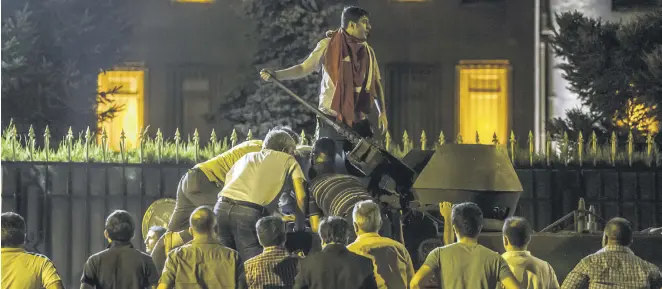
<point>38,257</point>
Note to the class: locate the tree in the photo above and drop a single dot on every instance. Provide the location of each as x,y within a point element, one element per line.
<point>287,31</point>
<point>52,52</point>
<point>615,69</point>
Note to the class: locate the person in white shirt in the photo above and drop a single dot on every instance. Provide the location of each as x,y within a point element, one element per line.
<point>252,189</point>
<point>531,272</point>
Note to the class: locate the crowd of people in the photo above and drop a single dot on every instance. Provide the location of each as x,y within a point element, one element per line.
<point>370,261</point>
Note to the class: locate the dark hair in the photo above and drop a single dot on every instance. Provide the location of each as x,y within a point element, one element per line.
<point>289,131</point>
<point>467,219</point>
<point>270,231</point>
<point>352,13</point>
<point>334,230</point>
<point>158,230</point>
<point>326,146</point>
<point>13,230</point>
<point>203,220</point>
<point>120,226</point>
<point>619,230</point>
<point>518,230</point>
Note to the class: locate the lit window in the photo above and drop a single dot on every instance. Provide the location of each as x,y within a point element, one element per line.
<point>129,94</point>
<point>483,92</point>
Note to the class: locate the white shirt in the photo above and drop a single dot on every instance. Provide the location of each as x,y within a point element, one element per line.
<point>259,177</point>
<point>531,272</point>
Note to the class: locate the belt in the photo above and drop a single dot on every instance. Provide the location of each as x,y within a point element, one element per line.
<point>243,204</point>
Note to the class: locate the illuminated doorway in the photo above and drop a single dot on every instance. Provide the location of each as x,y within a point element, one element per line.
<point>130,95</point>
<point>483,92</point>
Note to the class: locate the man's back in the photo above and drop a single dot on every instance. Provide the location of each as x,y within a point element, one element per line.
<point>531,272</point>
<point>613,267</point>
<point>335,267</point>
<point>120,267</point>
<point>25,270</point>
<point>274,268</point>
<point>201,265</point>
<point>393,262</point>
<point>461,266</point>
<point>258,177</point>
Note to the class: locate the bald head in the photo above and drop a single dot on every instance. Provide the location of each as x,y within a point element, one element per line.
<point>203,220</point>
<point>618,231</point>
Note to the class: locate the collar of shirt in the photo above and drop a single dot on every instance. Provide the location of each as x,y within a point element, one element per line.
<point>334,248</point>
<point>12,250</point>
<point>509,254</point>
<point>616,248</point>
<point>119,244</point>
<point>203,241</point>
<point>273,249</point>
<point>367,236</point>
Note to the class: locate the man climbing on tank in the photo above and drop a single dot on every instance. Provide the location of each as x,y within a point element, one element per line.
<point>351,81</point>
<point>200,187</point>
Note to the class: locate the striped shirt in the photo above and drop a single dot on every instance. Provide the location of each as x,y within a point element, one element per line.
<point>613,267</point>
<point>26,270</point>
<point>274,268</point>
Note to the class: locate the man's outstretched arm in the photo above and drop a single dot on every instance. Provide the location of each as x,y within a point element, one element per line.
<point>308,66</point>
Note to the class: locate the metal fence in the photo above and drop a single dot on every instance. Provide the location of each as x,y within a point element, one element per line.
<point>65,204</point>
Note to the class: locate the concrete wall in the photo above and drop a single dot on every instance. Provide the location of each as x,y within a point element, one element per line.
<point>200,40</point>
<point>444,32</point>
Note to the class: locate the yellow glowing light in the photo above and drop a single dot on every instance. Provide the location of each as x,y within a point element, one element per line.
<point>639,117</point>
<point>131,96</point>
<point>483,91</point>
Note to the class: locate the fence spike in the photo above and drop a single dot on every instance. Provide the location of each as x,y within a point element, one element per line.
<point>12,136</point>
<point>123,152</point>
<point>143,139</point>
<point>531,148</point>
<point>548,149</point>
<point>47,142</point>
<point>104,143</point>
<point>630,147</point>
<point>225,143</point>
<point>442,138</point>
<point>580,148</point>
<point>564,148</point>
<point>196,145</point>
<point>233,137</point>
<point>405,142</point>
<point>31,142</point>
<point>212,141</point>
<point>70,142</point>
<point>495,139</point>
<point>458,140</point>
<point>594,148</point>
<point>249,135</point>
<point>512,147</point>
<point>303,138</point>
<point>88,135</point>
<point>178,139</point>
<point>649,148</point>
<point>387,139</point>
<point>612,154</point>
<point>477,138</point>
<point>159,145</point>
<point>424,140</point>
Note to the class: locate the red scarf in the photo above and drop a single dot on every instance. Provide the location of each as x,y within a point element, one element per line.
<point>346,76</point>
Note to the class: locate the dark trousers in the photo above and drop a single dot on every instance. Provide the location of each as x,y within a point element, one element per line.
<point>236,228</point>
<point>194,190</point>
<point>362,128</point>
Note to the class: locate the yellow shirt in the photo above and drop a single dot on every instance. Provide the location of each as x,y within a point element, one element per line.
<point>216,168</point>
<point>393,265</point>
<point>259,177</point>
<point>26,270</point>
